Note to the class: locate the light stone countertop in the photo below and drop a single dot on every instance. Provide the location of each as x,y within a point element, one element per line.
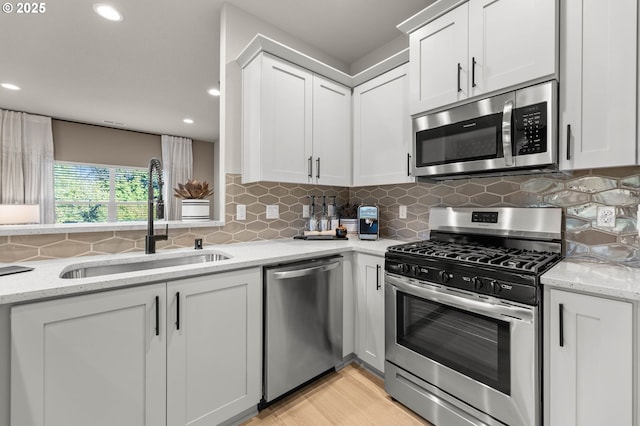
<point>600,279</point>
<point>45,282</point>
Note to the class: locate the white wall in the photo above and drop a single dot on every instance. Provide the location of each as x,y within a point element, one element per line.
<point>237,29</point>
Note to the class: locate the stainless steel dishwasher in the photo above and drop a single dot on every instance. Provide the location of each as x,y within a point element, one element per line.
<point>302,323</point>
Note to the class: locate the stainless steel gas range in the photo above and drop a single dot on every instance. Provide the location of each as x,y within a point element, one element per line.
<point>462,315</point>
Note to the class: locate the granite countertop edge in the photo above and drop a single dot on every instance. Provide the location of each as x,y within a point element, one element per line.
<point>600,279</point>
<point>44,281</point>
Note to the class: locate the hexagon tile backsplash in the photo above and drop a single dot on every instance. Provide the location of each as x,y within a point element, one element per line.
<point>578,194</point>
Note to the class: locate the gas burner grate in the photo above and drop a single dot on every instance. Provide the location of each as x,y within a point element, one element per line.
<point>503,257</point>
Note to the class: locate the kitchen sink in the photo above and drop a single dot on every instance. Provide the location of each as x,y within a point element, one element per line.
<point>80,271</point>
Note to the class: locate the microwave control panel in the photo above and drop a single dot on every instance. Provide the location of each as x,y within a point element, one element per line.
<point>530,129</point>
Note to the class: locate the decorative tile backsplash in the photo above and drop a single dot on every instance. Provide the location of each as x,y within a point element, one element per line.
<point>579,195</point>
<point>289,198</point>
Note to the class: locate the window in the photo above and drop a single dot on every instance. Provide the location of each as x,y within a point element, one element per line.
<point>96,193</point>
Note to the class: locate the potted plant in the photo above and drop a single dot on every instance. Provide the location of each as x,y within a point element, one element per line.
<point>348,214</point>
<point>194,206</point>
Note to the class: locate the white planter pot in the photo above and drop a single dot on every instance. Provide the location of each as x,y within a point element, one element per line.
<point>195,210</point>
<point>351,225</point>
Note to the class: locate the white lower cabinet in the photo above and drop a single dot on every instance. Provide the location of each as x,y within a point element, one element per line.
<point>214,347</point>
<point>118,357</point>
<point>369,279</point>
<point>590,355</point>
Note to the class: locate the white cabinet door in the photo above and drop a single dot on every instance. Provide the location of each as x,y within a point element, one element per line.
<point>214,351</point>
<point>95,360</point>
<point>598,84</point>
<point>331,133</point>
<point>286,115</point>
<point>480,47</point>
<point>510,42</point>
<point>370,310</point>
<point>591,361</point>
<point>382,130</point>
<point>438,61</point>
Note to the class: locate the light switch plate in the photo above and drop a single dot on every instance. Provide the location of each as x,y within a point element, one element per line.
<point>305,211</point>
<point>606,216</point>
<point>273,211</point>
<point>402,214</point>
<point>241,212</point>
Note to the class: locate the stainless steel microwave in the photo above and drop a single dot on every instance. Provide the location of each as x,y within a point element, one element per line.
<point>506,133</point>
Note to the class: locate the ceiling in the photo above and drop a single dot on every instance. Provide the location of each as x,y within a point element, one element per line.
<point>152,70</point>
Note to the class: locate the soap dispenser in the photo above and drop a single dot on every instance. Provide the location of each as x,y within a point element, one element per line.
<point>312,221</point>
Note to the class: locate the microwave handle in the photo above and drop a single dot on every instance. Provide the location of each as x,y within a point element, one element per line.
<point>506,133</point>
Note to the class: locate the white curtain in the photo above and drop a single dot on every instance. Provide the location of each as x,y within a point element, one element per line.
<point>177,164</point>
<point>26,161</point>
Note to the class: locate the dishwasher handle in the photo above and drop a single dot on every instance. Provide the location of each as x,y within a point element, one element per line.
<point>305,272</point>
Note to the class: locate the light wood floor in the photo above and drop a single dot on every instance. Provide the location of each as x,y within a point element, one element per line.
<point>352,396</point>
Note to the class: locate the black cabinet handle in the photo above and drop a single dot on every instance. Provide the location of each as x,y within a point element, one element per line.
<point>568,141</point>
<point>561,322</point>
<point>459,69</point>
<point>408,164</point>
<point>178,310</point>
<point>377,277</point>
<point>157,315</point>
<point>318,168</point>
<point>473,71</point>
<point>310,167</point>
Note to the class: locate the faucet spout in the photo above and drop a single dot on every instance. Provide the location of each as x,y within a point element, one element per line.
<point>150,238</point>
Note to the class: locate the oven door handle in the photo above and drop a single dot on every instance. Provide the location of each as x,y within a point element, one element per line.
<point>506,313</point>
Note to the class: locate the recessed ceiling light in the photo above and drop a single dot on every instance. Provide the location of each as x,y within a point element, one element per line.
<point>10,86</point>
<point>188,121</point>
<point>107,12</point>
<point>214,92</point>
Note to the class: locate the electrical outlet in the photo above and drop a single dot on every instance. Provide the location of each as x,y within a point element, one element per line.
<point>241,212</point>
<point>606,216</point>
<point>305,211</point>
<point>273,211</point>
<point>402,214</point>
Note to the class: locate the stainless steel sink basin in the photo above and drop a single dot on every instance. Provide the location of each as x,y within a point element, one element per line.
<point>118,268</point>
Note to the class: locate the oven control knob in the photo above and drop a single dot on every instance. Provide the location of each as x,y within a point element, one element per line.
<point>495,287</point>
<point>404,268</point>
<point>477,283</point>
<point>445,276</point>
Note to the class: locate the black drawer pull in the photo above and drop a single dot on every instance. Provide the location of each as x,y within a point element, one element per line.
<point>561,322</point>
<point>178,310</point>
<point>157,315</point>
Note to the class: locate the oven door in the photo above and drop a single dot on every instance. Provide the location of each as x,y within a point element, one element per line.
<point>476,349</point>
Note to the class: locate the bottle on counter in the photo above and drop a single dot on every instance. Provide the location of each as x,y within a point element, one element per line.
<point>333,214</point>
<point>323,219</point>
<point>312,221</point>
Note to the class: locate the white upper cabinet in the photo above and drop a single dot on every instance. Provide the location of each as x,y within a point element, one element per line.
<point>277,121</point>
<point>598,83</point>
<point>382,130</point>
<point>440,81</point>
<point>284,124</point>
<point>511,42</point>
<point>480,47</point>
<point>331,132</point>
